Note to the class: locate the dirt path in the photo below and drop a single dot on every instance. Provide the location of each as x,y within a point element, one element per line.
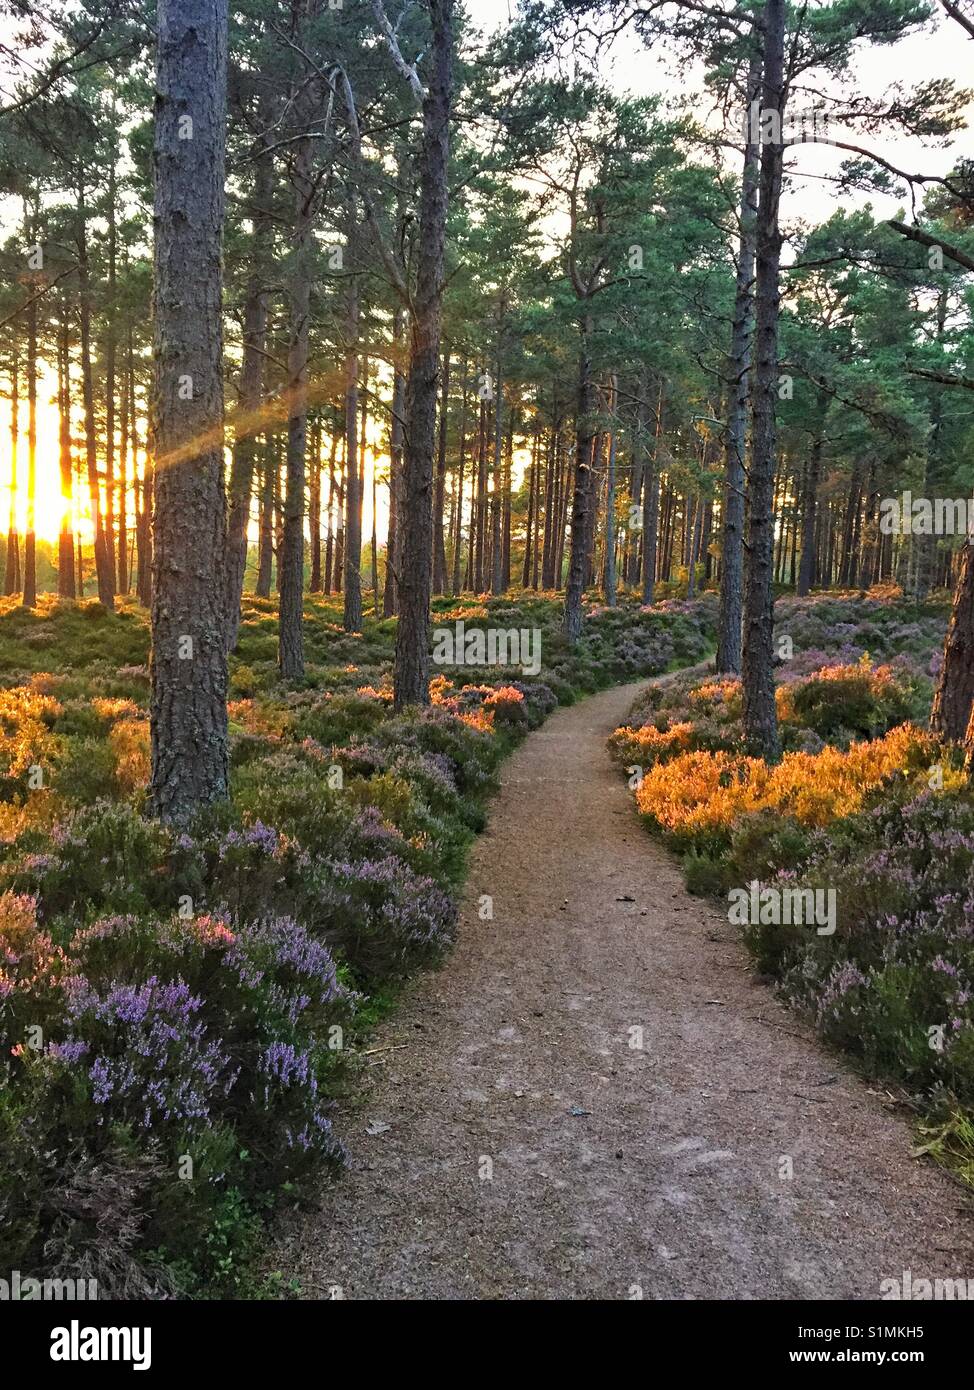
<point>612,1167</point>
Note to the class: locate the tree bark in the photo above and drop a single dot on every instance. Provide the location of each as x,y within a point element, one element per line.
<point>760,716</point>
<point>123,472</point>
<point>583,499</point>
<point>806,564</point>
<point>11,583</point>
<point>390,596</point>
<point>650,503</point>
<point>251,388</point>
<point>954,696</point>
<point>30,538</point>
<point>314,508</point>
<point>110,364</point>
<point>609,568</point>
<point>104,566</point>
<point>732,550</point>
<point>291,565</point>
<point>352,619</point>
<point>65,568</point>
<point>496,511</point>
<point>411,669</point>
<point>188,703</point>
<point>439,499</point>
<point>458,533</point>
<point>265,535</point>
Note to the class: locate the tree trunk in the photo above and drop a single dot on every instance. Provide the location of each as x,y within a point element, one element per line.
<point>760,716</point>
<point>806,565</point>
<point>650,501</point>
<point>609,569</point>
<point>330,542</point>
<point>458,534</point>
<point>583,499</point>
<point>104,566</point>
<point>496,514</point>
<point>251,388</point>
<point>123,475</point>
<point>352,619</point>
<point>188,704</point>
<point>12,576</point>
<point>954,695</point>
<point>390,597</point>
<point>732,550</point>
<point>481,508</point>
<point>411,670</point>
<point>529,525</point>
<point>439,498</point>
<point>314,508</point>
<point>144,535</point>
<point>291,564</point>
<point>265,536</point>
<point>110,365</point>
<point>30,537</point>
<point>65,567</point>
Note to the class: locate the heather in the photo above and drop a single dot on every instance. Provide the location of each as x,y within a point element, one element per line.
<point>864,804</point>
<point>183,1011</point>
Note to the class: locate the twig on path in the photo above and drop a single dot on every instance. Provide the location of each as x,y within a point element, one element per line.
<point>394,1047</point>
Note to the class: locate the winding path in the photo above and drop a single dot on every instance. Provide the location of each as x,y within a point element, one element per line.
<point>513,1144</point>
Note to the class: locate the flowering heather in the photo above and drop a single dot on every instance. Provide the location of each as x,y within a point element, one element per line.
<point>32,967</point>
<point>262,838</point>
<point>148,1056</point>
<point>395,916</point>
<point>296,969</point>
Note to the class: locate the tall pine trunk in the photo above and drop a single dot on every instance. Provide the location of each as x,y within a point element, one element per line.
<point>314,508</point>
<point>732,550</point>
<point>65,566</point>
<point>813,478</point>
<point>104,565</point>
<point>352,619</point>
<point>760,716</point>
<point>609,568</point>
<point>411,670</point>
<point>583,499</point>
<point>251,384</point>
<point>265,538</point>
<point>30,536</point>
<point>496,513</point>
<point>954,696</point>
<point>439,498</point>
<point>11,583</point>
<point>291,564</point>
<point>188,704</point>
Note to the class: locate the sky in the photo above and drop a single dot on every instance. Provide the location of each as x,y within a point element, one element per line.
<point>630,67</point>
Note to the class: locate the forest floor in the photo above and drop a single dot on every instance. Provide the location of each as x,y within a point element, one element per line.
<point>511,1141</point>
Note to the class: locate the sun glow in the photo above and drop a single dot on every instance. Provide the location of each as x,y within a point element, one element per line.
<point>50,506</point>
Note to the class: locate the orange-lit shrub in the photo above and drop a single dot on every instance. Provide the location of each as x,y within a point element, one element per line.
<point>701,793</point>
<point>650,745</point>
<point>25,736</point>
<point>129,740</point>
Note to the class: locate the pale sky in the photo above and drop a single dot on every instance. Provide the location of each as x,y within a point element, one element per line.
<point>945,51</point>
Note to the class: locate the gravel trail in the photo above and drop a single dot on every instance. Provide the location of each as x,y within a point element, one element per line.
<point>512,1143</point>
